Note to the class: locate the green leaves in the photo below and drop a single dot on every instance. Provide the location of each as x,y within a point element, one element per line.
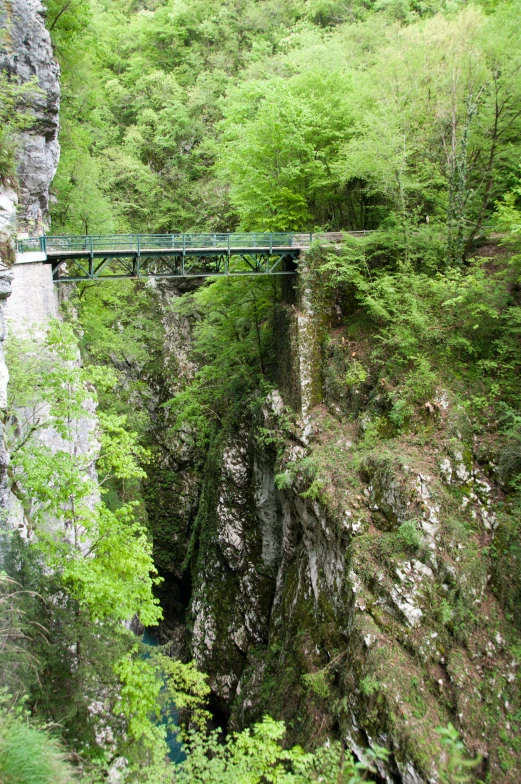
<point>139,698</point>
<point>120,452</point>
<point>257,755</point>
<point>303,114</point>
<point>188,689</point>
<point>113,574</point>
<point>59,450</point>
<point>429,330</point>
<point>231,351</point>
<point>457,767</point>
<point>277,152</point>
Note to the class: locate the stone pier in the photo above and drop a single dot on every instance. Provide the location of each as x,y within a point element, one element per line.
<point>33,299</point>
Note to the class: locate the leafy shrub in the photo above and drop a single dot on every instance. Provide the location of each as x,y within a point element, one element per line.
<point>401,412</point>
<point>408,535</point>
<point>356,374</point>
<point>315,491</point>
<point>456,767</point>
<point>284,480</point>
<point>257,755</point>
<point>446,612</point>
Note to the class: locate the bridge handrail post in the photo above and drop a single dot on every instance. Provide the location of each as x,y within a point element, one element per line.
<point>91,259</point>
<point>183,257</point>
<point>227,264</point>
<point>43,245</point>
<point>271,243</point>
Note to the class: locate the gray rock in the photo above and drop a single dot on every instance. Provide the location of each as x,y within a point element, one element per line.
<point>136,626</point>
<point>25,54</point>
<point>387,491</point>
<point>5,285</point>
<point>8,202</point>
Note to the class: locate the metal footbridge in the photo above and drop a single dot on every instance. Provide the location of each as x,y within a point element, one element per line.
<point>101,257</point>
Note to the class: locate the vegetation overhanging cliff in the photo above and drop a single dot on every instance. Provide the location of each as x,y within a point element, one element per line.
<point>329,474</point>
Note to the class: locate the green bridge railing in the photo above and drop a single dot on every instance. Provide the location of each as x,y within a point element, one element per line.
<point>140,243</point>
<point>102,256</point>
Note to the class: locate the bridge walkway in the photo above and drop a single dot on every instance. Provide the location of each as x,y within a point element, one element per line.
<point>97,257</point>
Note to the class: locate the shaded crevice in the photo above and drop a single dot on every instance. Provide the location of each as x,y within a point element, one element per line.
<point>174,595</point>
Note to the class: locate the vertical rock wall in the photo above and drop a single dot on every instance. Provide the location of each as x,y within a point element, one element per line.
<point>268,561</point>
<point>25,55</point>
<point>297,331</point>
<point>343,583</point>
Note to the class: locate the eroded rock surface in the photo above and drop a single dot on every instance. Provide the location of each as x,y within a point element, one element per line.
<point>25,55</point>
<point>352,596</point>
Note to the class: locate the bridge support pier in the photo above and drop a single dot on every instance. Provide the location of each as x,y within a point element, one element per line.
<point>33,300</point>
<point>297,334</point>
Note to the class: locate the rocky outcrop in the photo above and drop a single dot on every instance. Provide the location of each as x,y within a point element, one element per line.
<point>341,578</point>
<point>8,202</point>
<point>237,563</point>
<point>25,55</point>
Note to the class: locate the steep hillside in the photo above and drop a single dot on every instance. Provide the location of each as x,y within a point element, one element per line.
<point>307,489</point>
<point>357,571</point>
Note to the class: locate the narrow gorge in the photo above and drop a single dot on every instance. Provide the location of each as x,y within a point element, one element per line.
<point>305,487</point>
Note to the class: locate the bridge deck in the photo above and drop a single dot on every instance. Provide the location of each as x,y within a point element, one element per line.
<point>94,257</point>
<point>206,251</point>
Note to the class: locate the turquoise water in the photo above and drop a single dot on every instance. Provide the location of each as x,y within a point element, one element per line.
<point>176,752</point>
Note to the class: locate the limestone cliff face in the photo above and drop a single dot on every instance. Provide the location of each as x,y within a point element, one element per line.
<point>271,576</point>
<point>26,54</point>
<point>344,582</point>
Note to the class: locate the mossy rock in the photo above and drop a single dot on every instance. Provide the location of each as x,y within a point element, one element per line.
<point>388,490</point>
<point>347,381</point>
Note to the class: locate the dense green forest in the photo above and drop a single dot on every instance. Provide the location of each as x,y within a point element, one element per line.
<point>197,116</point>
<point>400,117</point>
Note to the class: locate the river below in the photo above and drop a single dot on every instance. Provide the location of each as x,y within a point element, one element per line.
<point>175,748</point>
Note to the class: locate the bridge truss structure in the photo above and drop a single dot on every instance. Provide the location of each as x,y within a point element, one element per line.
<point>101,257</point>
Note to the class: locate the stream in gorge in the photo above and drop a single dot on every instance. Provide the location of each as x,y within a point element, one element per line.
<point>170,717</point>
